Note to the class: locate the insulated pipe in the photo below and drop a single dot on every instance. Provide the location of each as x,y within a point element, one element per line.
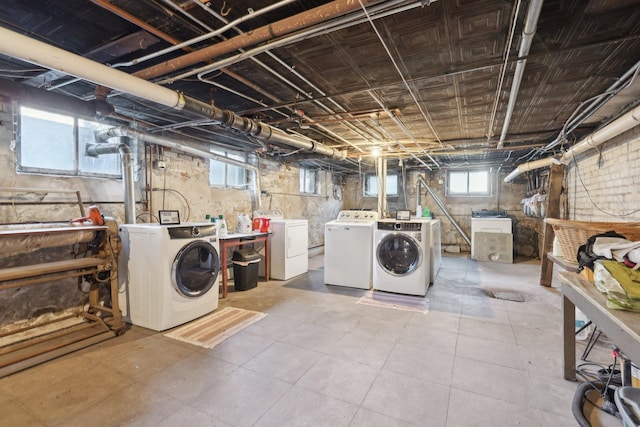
<point>126,157</point>
<point>527,38</point>
<point>613,129</point>
<point>42,54</point>
<point>180,146</point>
<point>47,56</point>
<point>525,167</point>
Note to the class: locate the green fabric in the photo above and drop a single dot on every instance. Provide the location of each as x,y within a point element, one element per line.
<point>628,278</point>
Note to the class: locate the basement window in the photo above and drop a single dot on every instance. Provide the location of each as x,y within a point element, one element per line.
<point>472,183</point>
<point>223,174</point>
<point>309,181</point>
<point>52,143</point>
<point>371,185</point>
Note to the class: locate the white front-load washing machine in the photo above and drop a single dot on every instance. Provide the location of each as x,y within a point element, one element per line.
<point>401,260</point>
<point>434,245</point>
<point>168,274</point>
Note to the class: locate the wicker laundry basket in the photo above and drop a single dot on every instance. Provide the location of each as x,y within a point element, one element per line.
<point>573,234</point>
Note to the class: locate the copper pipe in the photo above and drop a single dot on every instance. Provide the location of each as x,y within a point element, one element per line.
<point>136,21</point>
<point>285,26</point>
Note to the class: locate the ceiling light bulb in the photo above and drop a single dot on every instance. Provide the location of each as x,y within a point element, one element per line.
<point>375,151</point>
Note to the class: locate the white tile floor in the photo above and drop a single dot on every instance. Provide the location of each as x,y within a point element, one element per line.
<point>320,359</point>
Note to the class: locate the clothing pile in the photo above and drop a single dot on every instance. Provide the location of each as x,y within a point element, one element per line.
<point>615,262</point>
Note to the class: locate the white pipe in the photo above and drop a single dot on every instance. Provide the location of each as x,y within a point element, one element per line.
<point>625,122</point>
<point>527,38</point>
<point>47,56</point>
<point>613,129</point>
<point>537,164</point>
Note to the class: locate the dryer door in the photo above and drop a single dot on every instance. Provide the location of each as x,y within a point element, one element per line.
<point>195,269</point>
<point>399,254</point>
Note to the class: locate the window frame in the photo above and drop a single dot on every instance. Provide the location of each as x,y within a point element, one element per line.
<point>231,154</point>
<point>468,193</point>
<point>78,146</point>
<point>304,171</point>
<point>371,175</point>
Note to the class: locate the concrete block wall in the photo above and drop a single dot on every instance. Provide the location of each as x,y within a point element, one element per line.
<point>602,183</point>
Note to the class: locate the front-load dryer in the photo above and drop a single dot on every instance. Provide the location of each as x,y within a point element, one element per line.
<point>401,260</point>
<point>168,274</point>
<point>288,245</point>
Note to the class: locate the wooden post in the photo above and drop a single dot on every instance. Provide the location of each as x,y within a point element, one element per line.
<point>553,211</point>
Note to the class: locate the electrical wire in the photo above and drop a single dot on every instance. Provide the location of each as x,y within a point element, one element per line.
<point>577,172</point>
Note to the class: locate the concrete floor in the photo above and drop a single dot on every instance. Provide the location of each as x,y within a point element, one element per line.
<point>320,359</point>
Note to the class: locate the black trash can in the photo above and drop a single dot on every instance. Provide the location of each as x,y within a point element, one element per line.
<point>245,269</point>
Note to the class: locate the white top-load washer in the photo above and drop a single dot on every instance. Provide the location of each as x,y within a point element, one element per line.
<point>168,274</point>
<point>491,236</point>
<point>401,263</point>
<point>348,249</point>
<point>289,245</point>
<point>435,244</point>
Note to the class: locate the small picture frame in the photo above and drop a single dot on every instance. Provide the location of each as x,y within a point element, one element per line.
<point>403,215</point>
<point>169,217</point>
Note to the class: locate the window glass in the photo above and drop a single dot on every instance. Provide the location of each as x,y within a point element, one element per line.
<point>108,164</point>
<point>224,174</point>
<point>468,183</point>
<point>46,140</point>
<point>371,185</point>
<point>308,181</point>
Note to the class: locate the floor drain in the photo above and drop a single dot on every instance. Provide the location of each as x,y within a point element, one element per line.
<point>509,296</point>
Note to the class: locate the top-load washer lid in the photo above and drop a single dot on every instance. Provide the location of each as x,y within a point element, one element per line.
<point>484,213</point>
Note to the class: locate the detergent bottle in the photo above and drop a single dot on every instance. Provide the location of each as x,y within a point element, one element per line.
<point>426,213</point>
<point>221,226</point>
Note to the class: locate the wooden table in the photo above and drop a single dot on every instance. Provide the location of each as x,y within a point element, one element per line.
<point>621,327</point>
<point>240,239</point>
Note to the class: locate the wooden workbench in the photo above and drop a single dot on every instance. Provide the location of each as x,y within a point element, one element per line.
<point>240,239</point>
<point>621,327</point>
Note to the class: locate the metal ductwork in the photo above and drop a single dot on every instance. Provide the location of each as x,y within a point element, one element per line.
<point>124,131</point>
<point>421,182</point>
<point>44,55</point>
<point>126,157</point>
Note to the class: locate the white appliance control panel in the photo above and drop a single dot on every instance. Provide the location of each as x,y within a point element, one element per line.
<point>357,216</point>
<point>268,213</point>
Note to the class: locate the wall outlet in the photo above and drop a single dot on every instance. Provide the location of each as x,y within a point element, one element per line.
<point>159,164</point>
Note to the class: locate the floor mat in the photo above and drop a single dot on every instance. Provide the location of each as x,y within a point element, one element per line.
<point>211,330</point>
<point>395,301</point>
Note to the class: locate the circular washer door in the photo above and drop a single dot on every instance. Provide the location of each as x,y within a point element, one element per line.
<point>195,269</point>
<point>399,254</point>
